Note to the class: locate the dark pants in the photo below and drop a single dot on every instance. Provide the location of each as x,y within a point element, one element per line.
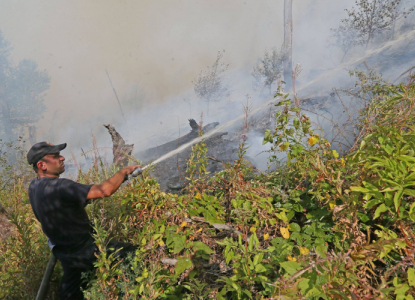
<point>82,260</point>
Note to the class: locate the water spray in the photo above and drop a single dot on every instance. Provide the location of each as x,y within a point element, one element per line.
<point>367,54</point>
<point>139,171</point>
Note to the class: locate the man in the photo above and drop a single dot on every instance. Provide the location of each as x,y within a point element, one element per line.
<point>59,205</point>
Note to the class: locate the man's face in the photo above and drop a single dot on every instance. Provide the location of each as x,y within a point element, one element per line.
<point>54,163</point>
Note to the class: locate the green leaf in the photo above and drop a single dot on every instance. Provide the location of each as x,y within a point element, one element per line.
<point>401,244</point>
<point>412,211</point>
<point>290,215</point>
<point>259,268</point>
<point>284,102</point>
<point>258,258</point>
<point>388,148</point>
<point>314,292</point>
<point>296,123</point>
<point>162,229</point>
<point>294,227</point>
<point>381,140</point>
<point>268,137</point>
<point>319,232</point>
<point>156,236</point>
<point>362,144</point>
<point>282,216</point>
<point>411,276</point>
<point>372,203</point>
<point>182,265</point>
<point>178,243</point>
<point>406,158</point>
<point>256,241</point>
<point>290,267</point>
<point>400,291</point>
<point>397,199</point>
<point>237,287</point>
<point>409,192</point>
<point>321,250</point>
<point>248,293</point>
<point>359,189</point>
<point>251,244</point>
<point>199,246</point>
<point>363,217</point>
<point>229,256</point>
<point>211,217</point>
<point>381,208</point>
<point>304,285</point>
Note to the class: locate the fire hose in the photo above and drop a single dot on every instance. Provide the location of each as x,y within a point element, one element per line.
<point>41,294</point>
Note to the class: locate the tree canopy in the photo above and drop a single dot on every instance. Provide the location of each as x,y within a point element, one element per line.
<point>22,92</point>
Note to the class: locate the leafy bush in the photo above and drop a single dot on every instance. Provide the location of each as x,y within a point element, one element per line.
<point>323,225</point>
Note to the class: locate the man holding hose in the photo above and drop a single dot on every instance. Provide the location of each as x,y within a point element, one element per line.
<point>59,205</point>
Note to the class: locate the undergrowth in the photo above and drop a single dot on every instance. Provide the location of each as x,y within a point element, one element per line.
<point>322,225</point>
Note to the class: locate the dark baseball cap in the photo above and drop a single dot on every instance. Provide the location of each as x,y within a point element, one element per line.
<point>41,149</point>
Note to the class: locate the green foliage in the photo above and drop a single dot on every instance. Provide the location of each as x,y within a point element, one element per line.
<point>24,254</point>
<point>196,165</point>
<point>325,224</point>
<point>246,260</point>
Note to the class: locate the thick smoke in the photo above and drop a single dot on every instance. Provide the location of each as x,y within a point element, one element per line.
<point>152,51</point>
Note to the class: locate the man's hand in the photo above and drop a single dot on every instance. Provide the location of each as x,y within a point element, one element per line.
<point>111,185</point>
<point>128,173</point>
<point>130,169</point>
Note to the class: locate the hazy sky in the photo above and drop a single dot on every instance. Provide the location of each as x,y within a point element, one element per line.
<point>160,44</point>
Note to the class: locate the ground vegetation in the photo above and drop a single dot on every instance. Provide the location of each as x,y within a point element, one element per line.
<point>324,224</point>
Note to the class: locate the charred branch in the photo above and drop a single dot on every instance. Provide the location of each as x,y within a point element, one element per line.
<point>155,152</point>
<point>120,149</point>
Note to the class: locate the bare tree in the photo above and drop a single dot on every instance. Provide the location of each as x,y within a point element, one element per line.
<point>346,38</point>
<point>365,21</point>
<point>288,43</point>
<point>209,86</point>
<point>269,69</point>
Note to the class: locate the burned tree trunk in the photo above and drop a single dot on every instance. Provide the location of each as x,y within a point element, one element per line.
<point>155,152</point>
<point>120,149</point>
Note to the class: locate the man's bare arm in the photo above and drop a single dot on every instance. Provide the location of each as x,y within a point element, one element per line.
<point>111,185</point>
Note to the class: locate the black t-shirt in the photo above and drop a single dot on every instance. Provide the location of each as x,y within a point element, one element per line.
<point>59,205</point>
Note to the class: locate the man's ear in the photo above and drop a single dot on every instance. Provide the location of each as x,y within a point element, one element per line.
<point>41,165</point>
